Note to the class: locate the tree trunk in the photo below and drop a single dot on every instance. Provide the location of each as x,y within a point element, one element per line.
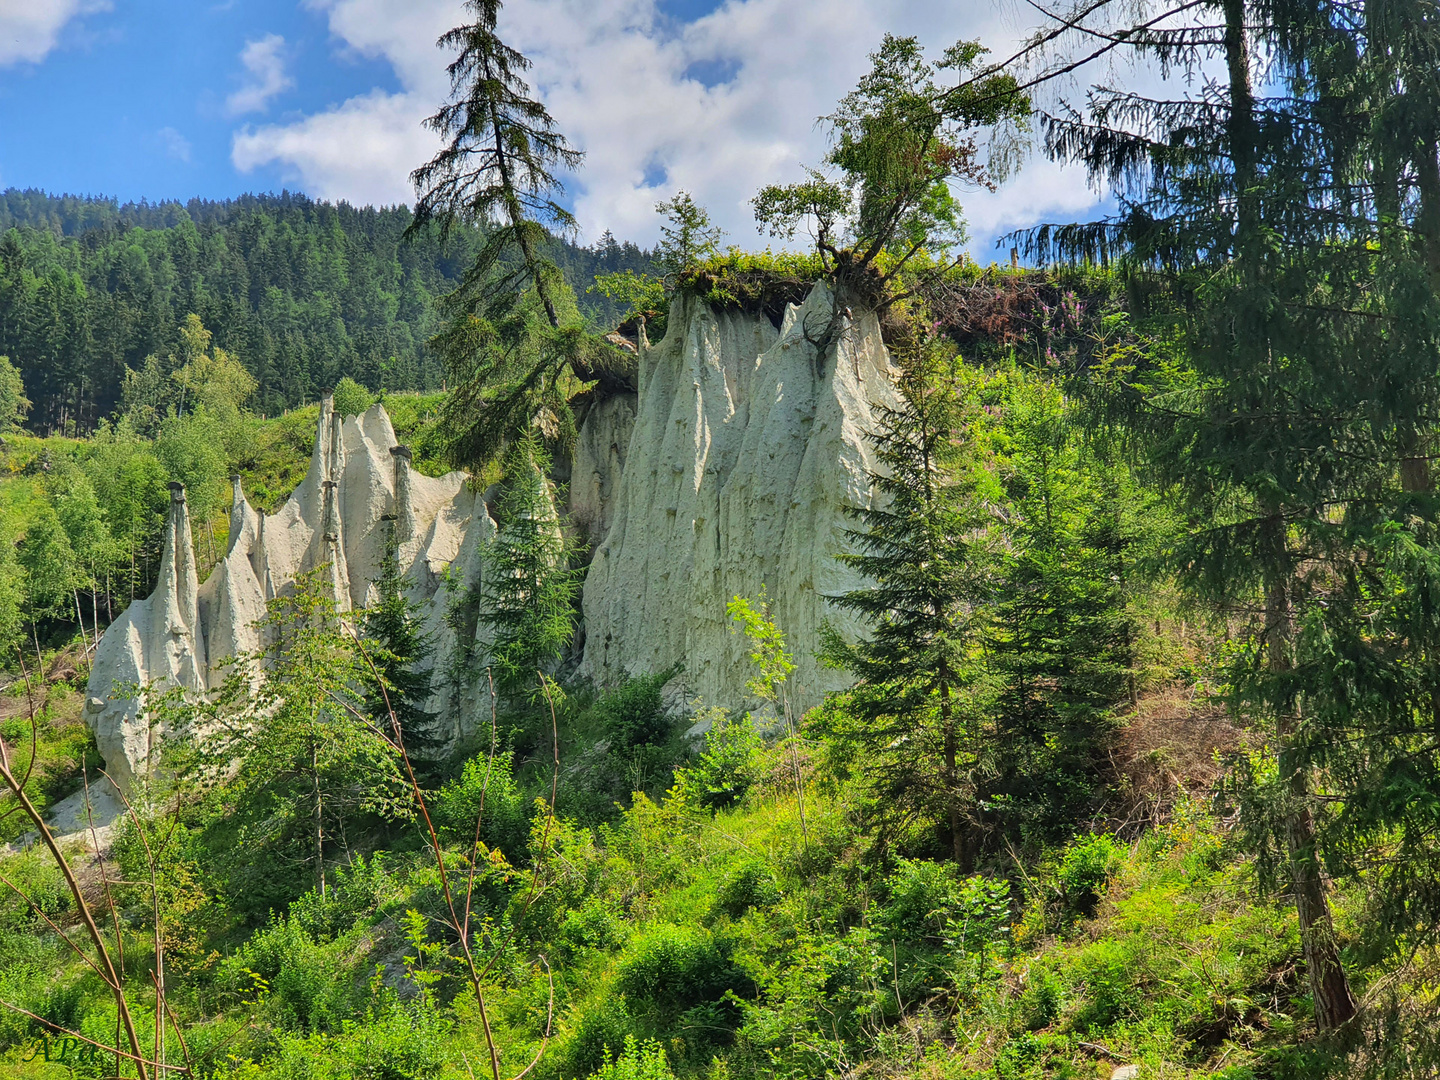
<point>80,618</point>
<point>952,773</point>
<point>319,833</point>
<point>1334,1002</point>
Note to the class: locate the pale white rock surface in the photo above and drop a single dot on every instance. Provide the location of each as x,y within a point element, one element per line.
<point>154,641</point>
<point>729,470</point>
<point>747,447</point>
<point>335,523</point>
<point>597,462</point>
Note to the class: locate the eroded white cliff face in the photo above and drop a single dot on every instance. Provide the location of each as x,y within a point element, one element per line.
<point>728,471</point>
<point>154,641</point>
<point>334,524</point>
<point>747,447</point>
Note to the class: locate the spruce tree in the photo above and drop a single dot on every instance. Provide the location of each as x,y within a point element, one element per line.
<point>1058,637</point>
<point>391,623</point>
<point>514,342</point>
<point>528,591</point>
<point>913,717</point>
<point>687,237</point>
<point>1294,429</point>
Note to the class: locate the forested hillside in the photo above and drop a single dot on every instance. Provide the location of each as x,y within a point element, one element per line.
<point>1123,569</point>
<point>303,292</point>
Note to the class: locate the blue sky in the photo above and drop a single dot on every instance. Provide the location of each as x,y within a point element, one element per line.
<point>171,99</point>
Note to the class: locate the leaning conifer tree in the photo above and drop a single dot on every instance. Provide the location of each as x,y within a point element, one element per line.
<point>912,716</point>
<point>513,343</point>
<point>392,624</point>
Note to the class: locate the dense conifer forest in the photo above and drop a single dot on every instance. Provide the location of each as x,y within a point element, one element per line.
<point>305,292</point>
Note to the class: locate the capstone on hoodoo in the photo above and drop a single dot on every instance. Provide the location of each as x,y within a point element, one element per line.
<point>729,469</point>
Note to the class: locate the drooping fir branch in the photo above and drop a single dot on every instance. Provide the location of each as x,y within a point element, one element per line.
<point>514,343</point>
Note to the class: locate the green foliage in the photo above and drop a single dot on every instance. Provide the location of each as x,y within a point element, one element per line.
<point>767,647</point>
<point>12,597</point>
<point>1085,869</point>
<point>400,693</point>
<point>351,399</point>
<point>727,765</point>
<point>51,575</point>
<point>306,761</point>
<point>632,714</point>
<point>753,281</point>
<point>529,588</point>
<point>14,405</point>
<point>899,141</point>
<point>913,718</point>
<point>513,342</point>
<point>1061,638</point>
<point>639,295</point>
<point>636,1061</point>
<point>302,293</point>
<point>503,820</point>
<point>687,238</point>
<point>670,969</point>
<point>191,450</point>
<point>750,885</point>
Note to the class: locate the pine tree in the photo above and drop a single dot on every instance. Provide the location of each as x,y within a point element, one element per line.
<point>913,716</point>
<point>391,624</point>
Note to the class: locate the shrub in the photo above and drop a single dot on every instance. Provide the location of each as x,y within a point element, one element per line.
<point>351,398</point>
<point>392,1042</point>
<point>1085,868</point>
<point>356,892</point>
<point>637,1061</point>
<point>593,925</point>
<point>728,765</point>
<point>304,983</point>
<point>632,714</point>
<point>672,968</point>
<point>606,1024</point>
<point>38,878</point>
<point>1109,972</point>
<point>980,915</point>
<point>751,885</point>
<point>922,895</point>
<point>506,823</point>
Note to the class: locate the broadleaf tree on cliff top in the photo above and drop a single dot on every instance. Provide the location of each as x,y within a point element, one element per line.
<point>901,141</point>
<point>514,344</point>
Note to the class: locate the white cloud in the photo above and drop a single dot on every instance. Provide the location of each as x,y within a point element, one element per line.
<point>175,144</point>
<point>628,85</point>
<point>30,29</point>
<point>264,61</point>
<point>362,151</point>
